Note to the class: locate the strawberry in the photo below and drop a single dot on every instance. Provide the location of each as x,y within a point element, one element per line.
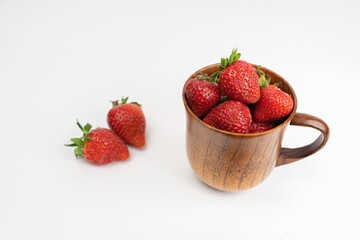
<point>99,146</point>
<point>231,116</point>
<point>202,95</point>
<point>237,79</point>
<point>128,121</point>
<point>190,84</point>
<point>274,104</point>
<point>260,127</point>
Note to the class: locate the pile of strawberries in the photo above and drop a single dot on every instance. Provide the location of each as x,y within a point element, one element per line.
<point>224,99</point>
<point>101,145</point>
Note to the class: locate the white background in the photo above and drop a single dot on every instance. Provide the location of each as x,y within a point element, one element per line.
<point>62,60</point>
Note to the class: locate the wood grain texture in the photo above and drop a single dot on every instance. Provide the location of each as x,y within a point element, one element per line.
<point>289,155</point>
<point>233,161</point>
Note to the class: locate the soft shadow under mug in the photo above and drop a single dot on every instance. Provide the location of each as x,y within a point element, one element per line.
<point>232,161</point>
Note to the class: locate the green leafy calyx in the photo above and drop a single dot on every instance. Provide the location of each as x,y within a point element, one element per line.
<point>234,56</point>
<point>80,142</point>
<point>203,76</point>
<point>264,79</point>
<point>215,77</point>
<point>123,101</point>
<point>224,99</point>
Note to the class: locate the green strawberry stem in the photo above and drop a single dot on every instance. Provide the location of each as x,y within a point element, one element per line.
<point>115,103</point>
<point>234,56</point>
<point>277,84</point>
<point>123,101</point>
<point>203,76</point>
<point>80,142</point>
<point>224,99</point>
<point>264,80</point>
<point>215,77</point>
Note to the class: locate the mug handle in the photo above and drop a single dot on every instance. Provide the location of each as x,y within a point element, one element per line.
<point>289,155</point>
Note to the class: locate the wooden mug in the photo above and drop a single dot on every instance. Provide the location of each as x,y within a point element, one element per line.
<point>234,161</point>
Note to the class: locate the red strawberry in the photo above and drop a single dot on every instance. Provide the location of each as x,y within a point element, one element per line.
<point>237,79</point>
<point>99,146</point>
<point>202,95</point>
<point>231,116</point>
<point>128,121</point>
<point>190,84</point>
<point>274,104</point>
<point>260,127</point>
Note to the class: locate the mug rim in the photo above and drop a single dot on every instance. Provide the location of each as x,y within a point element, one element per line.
<point>283,124</point>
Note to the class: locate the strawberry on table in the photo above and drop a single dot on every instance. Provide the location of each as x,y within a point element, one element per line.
<point>99,146</point>
<point>231,116</point>
<point>237,79</point>
<point>202,95</point>
<point>128,121</point>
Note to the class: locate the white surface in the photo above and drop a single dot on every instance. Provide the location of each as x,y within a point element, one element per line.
<point>62,60</point>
